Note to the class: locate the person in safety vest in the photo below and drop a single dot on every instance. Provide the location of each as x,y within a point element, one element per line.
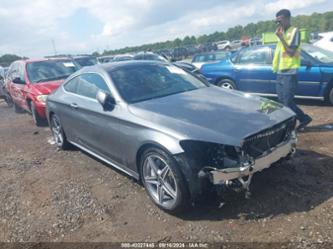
<point>287,60</point>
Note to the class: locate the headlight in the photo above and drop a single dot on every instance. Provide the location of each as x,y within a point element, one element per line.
<point>212,154</point>
<point>42,98</point>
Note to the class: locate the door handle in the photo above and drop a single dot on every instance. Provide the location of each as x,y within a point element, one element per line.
<point>74,105</point>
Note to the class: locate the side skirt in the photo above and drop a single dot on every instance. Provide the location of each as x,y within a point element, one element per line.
<point>121,168</point>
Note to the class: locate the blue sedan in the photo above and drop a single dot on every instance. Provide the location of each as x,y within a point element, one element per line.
<point>251,71</point>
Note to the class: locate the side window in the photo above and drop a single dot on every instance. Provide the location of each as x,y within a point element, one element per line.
<point>89,85</point>
<point>71,86</point>
<point>255,56</point>
<point>210,57</point>
<point>13,71</point>
<point>9,72</point>
<point>200,58</point>
<point>21,70</point>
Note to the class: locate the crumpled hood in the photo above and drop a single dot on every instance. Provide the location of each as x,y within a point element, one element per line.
<point>211,114</point>
<point>47,87</point>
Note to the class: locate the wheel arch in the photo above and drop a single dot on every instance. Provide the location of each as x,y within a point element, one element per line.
<point>145,146</point>
<point>225,77</point>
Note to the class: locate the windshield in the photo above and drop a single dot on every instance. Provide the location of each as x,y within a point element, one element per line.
<point>49,70</point>
<point>137,83</point>
<point>320,54</point>
<point>123,58</point>
<point>86,61</point>
<point>210,57</point>
<point>153,57</point>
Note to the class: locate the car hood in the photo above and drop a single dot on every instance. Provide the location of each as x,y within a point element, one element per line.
<point>47,87</point>
<point>211,114</point>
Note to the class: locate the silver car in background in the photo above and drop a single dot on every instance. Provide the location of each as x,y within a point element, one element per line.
<point>169,129</point>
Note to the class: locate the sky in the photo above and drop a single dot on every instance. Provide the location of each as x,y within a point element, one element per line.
<point>45,27</point>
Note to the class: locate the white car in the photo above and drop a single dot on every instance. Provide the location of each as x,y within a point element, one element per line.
<point>222,45</point>
<point>236,44</point>
<point>325,41</point>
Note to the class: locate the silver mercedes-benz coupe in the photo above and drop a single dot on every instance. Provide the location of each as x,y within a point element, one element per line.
<point>169,128</point>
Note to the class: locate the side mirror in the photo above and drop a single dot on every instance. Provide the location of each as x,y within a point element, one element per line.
<point>307,63</point>
<point>18,80</point>
<point>106,100</point>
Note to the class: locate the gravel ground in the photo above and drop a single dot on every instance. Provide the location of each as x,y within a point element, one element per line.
<point>51,195</point>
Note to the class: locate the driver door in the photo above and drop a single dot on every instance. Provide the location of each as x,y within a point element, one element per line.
<point>91,126</point>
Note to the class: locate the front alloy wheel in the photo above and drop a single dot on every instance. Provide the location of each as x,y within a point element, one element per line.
<point>163,181</point>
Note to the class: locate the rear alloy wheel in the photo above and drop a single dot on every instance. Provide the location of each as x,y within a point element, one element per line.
<point>227,84</point>
<point>163,180</point>
<point>37,119</point>
<point>58,133</point>
<point>8,100</point>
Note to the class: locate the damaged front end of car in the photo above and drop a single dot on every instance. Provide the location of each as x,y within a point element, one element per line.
<point>234,166</point>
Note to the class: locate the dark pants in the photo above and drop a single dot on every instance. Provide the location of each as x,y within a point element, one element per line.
<point>286,88</point>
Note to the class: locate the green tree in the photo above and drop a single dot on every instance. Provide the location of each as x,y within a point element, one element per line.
<point>317,22</point>
<point>7,59</point>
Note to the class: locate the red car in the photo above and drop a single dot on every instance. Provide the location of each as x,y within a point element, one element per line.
<point>29,82</point>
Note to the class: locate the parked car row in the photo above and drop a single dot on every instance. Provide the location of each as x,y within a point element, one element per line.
<point>160,124</point>
<point>29,82</point>
<point>245,41</point>
<point>156,57</point>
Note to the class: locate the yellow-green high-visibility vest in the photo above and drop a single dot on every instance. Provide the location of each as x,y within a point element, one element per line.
<point>282,60</point>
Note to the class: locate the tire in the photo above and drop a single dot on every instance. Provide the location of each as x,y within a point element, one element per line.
<point>163,181</point>
<point>8,100</point>
<point>17,108</point>
<point>227,84</point>
<point>329,96</point>
<point>39,121</point>
<point>58,133</point>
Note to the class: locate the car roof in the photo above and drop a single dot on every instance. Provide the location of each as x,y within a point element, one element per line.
<point>325,34</point>
<point>123,55</point>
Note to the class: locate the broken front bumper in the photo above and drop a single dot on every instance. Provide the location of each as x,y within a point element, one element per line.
<point>222,176</point>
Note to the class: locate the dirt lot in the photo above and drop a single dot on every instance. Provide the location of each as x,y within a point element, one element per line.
<point>51,195</point>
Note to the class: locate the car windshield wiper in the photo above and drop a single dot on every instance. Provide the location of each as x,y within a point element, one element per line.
<point>53,78</point>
